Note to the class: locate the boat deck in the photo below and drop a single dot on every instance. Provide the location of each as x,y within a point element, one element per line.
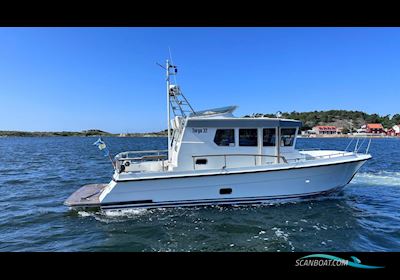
<point>86,196</point>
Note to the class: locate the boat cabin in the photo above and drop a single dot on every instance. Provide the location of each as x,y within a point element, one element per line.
<point>216,140</point>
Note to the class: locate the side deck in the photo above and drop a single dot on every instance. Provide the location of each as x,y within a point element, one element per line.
<point>86,196</point>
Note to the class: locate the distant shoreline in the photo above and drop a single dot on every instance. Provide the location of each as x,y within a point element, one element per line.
<point>347,136</point>
<point>85,133</point>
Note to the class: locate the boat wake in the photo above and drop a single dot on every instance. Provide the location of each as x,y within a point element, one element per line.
<point>125,212</point>
<point>112,216</point>
<point>114,213</point>
<point>381,178</point>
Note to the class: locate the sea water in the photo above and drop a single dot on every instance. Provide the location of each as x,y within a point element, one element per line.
<point>38,174</point>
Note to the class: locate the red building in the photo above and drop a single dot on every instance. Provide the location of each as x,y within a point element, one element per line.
<point>325,129</point>
<point>394,131</point>
<point>390,132</point>
<point>376,128</point>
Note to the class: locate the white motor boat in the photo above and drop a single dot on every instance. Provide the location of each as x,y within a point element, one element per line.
<point>214,157</point>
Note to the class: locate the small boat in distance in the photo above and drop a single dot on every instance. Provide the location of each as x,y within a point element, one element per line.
<point>214,157</point>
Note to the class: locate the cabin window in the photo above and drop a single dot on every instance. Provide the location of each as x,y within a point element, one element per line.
<point>248,137</point>
<point>269,137</point>
<point>225,137</point>
<point>201,161</point>
<point>287,136</point>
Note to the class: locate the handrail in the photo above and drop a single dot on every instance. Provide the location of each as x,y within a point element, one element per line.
<point>256,155</point>
<point>369,144</point>
<point>143,157</point>
<point>120,159</point>
<point>320,156</point>
<point>329,155</point>
<point>143,152</point>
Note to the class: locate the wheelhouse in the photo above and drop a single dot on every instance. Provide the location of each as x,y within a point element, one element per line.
<point>209,143</point>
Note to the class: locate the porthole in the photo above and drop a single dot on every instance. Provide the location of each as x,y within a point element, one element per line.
<point>201,161</point>
<point>225,191</point>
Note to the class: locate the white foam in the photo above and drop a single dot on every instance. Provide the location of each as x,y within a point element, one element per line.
<point>84,214</point>
<point>381,178</point>
<point>280,233</point>
<point>96,215</point>
<point>110,216</point>
<point>316,227</point>
<point>125,212</point>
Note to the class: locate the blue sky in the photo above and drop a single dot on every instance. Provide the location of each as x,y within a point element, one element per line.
<point>54,79</point>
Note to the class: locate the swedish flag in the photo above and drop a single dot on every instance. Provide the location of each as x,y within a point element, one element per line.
<point>102,146</point>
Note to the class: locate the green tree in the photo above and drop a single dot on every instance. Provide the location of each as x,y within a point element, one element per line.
<point>396,119</point>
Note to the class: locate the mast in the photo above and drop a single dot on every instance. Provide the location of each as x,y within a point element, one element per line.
<point>176,101</point>
<point>168,113</point>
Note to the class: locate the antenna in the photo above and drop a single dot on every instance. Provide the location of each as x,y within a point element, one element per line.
<point>172,63</point>
<point>161,66</point>
<point>176,99</point>
<point>170,56</point>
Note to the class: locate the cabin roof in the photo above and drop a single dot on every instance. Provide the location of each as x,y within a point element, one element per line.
<point>242,122</point>
<point>374,126</point>
<point>214,111</point>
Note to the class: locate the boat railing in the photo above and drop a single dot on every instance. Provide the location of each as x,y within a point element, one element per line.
<point>124,159</point>
<point>284,159</point>
<point>327,156</point>
<point>225,156</point>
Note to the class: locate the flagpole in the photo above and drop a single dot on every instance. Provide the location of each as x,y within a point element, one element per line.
<point>102,146</point>
<point>112,162</point>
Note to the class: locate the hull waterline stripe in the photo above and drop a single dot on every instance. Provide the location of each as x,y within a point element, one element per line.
<point>147,201</point>
<point>237,173</point>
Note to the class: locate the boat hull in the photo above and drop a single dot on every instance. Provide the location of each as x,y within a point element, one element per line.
<point>228,188</point>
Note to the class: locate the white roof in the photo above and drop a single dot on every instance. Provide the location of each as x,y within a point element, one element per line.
<point>215,112</point>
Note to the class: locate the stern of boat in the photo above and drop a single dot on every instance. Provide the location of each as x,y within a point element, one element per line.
<point>87,196</point>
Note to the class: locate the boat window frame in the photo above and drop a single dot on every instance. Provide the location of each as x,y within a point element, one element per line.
<point>281,140</point>
<point>256,142</point>
<point>273,138</point>
<point>229,144</point>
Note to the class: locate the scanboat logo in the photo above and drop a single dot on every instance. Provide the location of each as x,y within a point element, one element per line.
<point>329,260</point>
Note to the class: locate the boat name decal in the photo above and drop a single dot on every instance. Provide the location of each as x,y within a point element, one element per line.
<point>199,130</point>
